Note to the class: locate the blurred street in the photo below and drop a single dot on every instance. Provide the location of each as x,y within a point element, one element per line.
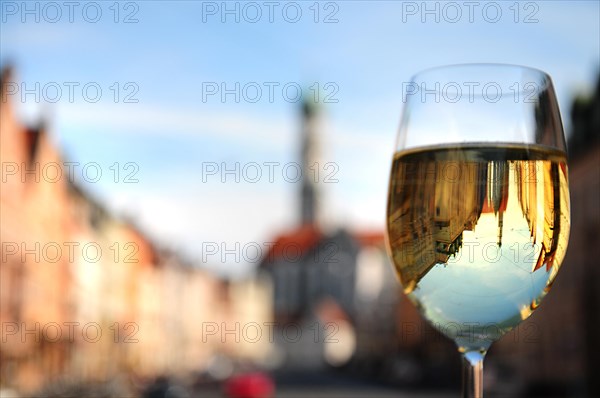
<point>331,384</point>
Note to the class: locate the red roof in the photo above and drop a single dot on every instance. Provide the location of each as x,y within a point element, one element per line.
<point>300,240</point>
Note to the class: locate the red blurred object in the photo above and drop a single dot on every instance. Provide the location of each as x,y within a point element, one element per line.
<point>250,385</point>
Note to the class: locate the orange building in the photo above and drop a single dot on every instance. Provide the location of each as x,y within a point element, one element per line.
<point>86,298</point>
<point>35,274</point>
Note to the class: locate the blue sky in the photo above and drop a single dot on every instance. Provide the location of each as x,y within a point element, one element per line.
<point>170,52</point>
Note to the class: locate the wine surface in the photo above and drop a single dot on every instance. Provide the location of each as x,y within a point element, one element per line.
<point>477,234</point>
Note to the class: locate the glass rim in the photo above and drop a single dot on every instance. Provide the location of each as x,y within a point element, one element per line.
<point>546,80</point>
<point>498,65</point>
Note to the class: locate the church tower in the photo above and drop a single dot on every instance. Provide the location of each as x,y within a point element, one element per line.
<point>311,164</point>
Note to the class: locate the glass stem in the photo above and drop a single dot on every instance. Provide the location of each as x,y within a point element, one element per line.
<point>472,374</point>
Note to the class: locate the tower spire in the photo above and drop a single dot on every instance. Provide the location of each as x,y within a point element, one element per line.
<point>310,154</point>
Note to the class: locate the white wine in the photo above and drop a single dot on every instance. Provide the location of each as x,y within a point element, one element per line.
<point>477,233</point>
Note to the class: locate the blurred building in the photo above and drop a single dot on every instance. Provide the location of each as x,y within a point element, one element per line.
<point>333,288</point>
<point>87,298</point>
<point>35,215</point>
<point>585,232</point>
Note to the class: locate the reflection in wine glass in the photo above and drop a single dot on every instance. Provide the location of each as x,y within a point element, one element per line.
<point>478,219</point>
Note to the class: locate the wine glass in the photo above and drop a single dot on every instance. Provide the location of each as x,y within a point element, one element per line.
<point>478,204</point>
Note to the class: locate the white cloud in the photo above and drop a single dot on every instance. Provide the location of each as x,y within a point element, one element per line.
<point>162,121</point>
<point>188,218</point>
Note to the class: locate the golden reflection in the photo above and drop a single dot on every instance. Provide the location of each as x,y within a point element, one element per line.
<point>436,196</point>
